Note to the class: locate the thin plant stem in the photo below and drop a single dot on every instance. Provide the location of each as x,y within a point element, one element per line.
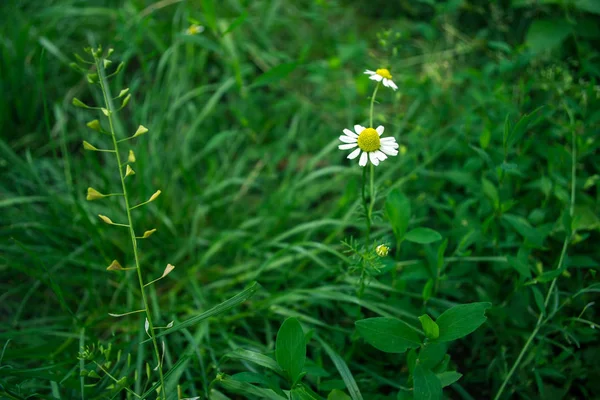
<point>372,103</point>
<point>541,322</point>
<point>371,195</point>
<point>365,204</point>
<point>102,76</point>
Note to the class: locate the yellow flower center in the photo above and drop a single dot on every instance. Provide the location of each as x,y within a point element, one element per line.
<point>368,140</point>
<point>384,73</point>
<point>382,250</point>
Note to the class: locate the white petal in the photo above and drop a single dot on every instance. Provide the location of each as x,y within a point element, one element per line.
<point>376,77</point>
<point>350,133</point>
<point>354,154</point>
<point>388,139</point>
<point>347,139</point>
<point>391,145</point>
<point>369,72</point>
<point>393,85</point>
<point>359,128</point>
<point>385,82</point>
<point>389,151</point>
<point>374,158</point>
<point>347,146</point>
<point>379,154</point>
<point>363,159</point>
<point>380,129</point>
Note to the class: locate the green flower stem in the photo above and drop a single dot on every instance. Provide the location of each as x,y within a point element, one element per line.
<point>365,204</point>
<point>541,321</point>
<point>373,102</point>
<point>103,83</point>
<point>369,207</point>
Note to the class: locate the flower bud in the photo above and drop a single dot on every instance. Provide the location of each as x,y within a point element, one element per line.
<point>131,157</point>
<point>140,131</point>
<point>93,194</point>
<point>129,171</point>
<point>114,266</point>
<point>382,250</point>
<point>95,125</point>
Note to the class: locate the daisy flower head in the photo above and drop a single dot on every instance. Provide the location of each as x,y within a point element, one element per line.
<point>194,29</point>
<point>368,143</point>
<point>382,75</point>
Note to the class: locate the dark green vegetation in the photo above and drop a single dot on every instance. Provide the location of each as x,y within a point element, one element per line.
<point>254,189</point>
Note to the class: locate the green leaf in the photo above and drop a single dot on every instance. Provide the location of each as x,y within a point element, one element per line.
<point>547,34</point>
<point>461,320</point>
<point>275,74</point>
<point>521,127</point>
<point>448,378</point>
<point>491,192</point>
<point>432,354</point>
<point>427,384</point>
<point>397,208</point>
<point>256,358</point>
<point>236,22</point>
<point>246,388</point>
<point>343,369</point>
<point>524,228</point>
<point>218,309</point>
<point>290,348</point>
<point>427,290</point>
<point>521,267</point>
<point>388,334</point>
<point>432,331</point>
<point>423,236</point>
<point>337,394</point>
<point>592,6</point>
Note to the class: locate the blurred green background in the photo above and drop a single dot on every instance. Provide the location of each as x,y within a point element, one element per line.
<point>254,187</point>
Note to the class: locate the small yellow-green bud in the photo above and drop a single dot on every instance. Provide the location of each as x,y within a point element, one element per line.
<point>123,92</point>
<point>154,196</point>
<point>78,103</point>
<point>129,171</point>
<point>105,111</point>
<point>95,125</point>
<point>140,131</point>
<point>110,51</point>
<point>93,194</point>
<point>92,77</point>
<point>168,270</point>
<point>131,157</point>
<point>106,219</point>
<point>126,100</point>
<point>106,62</point>
<point>114,266</point>
<point>88,146</point>
<point>382,250</point>
<point>147,234</point>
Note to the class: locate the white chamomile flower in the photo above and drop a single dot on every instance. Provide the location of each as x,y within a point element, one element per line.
<point>194,29</point>
<point>382,75</point>
<point>369,143</point>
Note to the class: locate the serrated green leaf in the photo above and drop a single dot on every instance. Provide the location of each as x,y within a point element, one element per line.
<point>388,334</point>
